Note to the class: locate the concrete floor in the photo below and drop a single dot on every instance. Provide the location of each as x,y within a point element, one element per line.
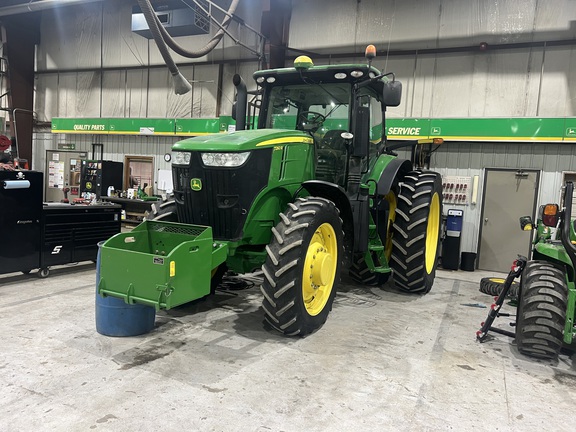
<point>383,361</point>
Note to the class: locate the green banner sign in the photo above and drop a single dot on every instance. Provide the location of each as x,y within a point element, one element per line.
<point>195,127</point>
<point>80,125</point>
<point>454,129</point>
<point>407,128</point>
<point>141,126</point>
<point>498,129</point>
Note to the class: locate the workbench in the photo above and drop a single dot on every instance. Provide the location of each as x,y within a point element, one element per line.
<point>135,209</point>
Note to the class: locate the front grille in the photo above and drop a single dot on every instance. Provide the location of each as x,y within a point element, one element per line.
<point>173,229</point>
<point>226,195</point>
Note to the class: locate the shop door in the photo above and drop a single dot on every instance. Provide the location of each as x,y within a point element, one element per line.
<point>508,195</point>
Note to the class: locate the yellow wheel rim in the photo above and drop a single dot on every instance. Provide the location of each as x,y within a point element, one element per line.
<point>497,280</point>
<point>432,233</point>
<point>391,198</point>
<point>319,269</point>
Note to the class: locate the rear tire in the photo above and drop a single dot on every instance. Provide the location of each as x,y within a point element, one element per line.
<point>302,269</point>
<point>541,314</point>
<point>416,231</point>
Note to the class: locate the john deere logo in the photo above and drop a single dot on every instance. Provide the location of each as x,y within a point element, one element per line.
<point>196,184</point>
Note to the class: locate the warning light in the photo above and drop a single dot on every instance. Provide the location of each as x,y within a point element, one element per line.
<point>370,52</point>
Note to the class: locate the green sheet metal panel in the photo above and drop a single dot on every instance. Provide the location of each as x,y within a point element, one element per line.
<point>141,126</point>
<point>455,129</point>
<point>498,129</point>
<point>80,125</point>
<point>196,127</point>
<point>412,128</point>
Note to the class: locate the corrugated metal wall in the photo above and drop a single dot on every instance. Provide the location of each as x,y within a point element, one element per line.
<point>524,81</point>
<point>470,159</point>
<point>341,25</point>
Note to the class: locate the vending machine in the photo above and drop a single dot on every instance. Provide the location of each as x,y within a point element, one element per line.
<point>451,243</point>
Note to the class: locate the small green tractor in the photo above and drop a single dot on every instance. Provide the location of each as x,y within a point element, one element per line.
<point>309,189</point>
<point>547,295</point>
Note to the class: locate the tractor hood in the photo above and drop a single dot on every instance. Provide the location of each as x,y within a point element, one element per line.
<point>242,140</point>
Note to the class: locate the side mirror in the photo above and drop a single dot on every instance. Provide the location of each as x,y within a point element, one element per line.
<point>526,223</point>
<point>550,215</point>
<point>392,93</point>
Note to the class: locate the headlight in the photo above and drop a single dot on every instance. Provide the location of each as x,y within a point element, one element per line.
<point>181,158</point>
<point>224,159</point>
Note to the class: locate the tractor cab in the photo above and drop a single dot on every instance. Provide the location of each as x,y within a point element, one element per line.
<point>341,107</point>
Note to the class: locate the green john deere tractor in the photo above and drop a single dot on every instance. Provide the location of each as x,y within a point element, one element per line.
<point>312,189</point>
<point>547,295</point>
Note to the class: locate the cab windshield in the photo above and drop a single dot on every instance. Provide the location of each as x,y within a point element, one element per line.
<point>314,108</point>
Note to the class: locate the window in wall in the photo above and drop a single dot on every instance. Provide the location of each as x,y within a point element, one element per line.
<point>138,171</point>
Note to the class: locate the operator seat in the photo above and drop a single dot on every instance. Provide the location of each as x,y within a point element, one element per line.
<point>331,157</point>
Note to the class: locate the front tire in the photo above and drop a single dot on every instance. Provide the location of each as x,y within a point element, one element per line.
<point>416,231</point>
<point>302,268</point>
<point>165,212</point>
<point>541,314</point>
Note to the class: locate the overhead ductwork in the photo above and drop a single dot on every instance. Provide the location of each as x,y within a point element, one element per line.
<point>176,17</point>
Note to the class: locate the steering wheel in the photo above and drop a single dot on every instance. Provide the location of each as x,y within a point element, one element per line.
<point>310,120</point>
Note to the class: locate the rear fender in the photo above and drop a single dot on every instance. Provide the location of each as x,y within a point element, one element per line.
<point>554,252</point>
<point>338,196</point>
<point>387,174</point>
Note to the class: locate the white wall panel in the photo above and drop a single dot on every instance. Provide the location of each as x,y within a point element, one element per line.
<point>422,24</point>
<point>452,86</point>
<point>114,94</point>
<point>159,89</point>
<point>501,83</point>
<point>66,94</point>
<point>120,46</point>
<point>137,92</point>
<point>46,96</point>
<point>512,79</point>
<point>88,93</point>
<point>558,94</point>
<point>555,20</point>
<point>315,24</point>
<point>78,94</point>
<point>205,91</point>
<point>70,37</point>
<point>424,88</point>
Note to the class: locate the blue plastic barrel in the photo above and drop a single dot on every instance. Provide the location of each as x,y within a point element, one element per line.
<point>115,317</point>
